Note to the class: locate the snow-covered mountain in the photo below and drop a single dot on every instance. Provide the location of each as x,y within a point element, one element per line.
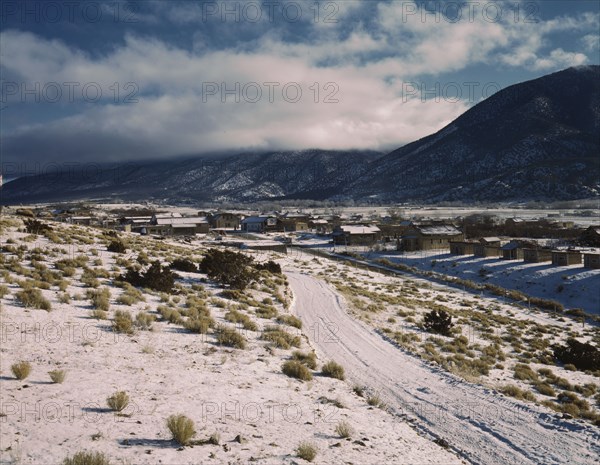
<point>538,140</point>
<point>315,174</point>
<point>535,140</point>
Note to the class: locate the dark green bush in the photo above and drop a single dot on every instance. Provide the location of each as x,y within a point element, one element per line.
<point>156,277</point>
<point>270,266</point>
<point>34,226</point>
<point>182,264</point>
<point>583,355</point>
<point>117,246</point>
<point>228,268</point>
<point>438,321</point>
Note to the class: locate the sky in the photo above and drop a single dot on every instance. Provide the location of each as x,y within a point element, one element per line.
<point>93,81</point>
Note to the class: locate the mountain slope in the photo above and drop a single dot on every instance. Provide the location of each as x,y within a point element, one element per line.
<point>538,140</point>
<point>246,177</point>
<point>535,140</point>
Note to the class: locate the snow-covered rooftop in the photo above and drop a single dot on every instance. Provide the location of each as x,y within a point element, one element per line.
<point>441,230</point>
<point>255,219</point>
<point>490,239</point>
<point>189,220</point>
<point>359,229</point>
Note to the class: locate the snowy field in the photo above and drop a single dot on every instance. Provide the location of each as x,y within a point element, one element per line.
<point>240,398</point>
<point>489,393</point>
<point>573,286</point>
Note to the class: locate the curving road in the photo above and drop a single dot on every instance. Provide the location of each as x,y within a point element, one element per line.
<point>479,424</point>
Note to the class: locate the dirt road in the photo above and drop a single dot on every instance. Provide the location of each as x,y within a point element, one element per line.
<point>483,426</point>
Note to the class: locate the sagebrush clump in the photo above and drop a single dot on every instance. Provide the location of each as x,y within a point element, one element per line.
<point>57,376</point>
<point>182,428</point>
<point>117,246</point>
<point>230,337</point>
<point>308,359</point>
<point>333,370</point>
<point>343,429</point>
<point>33,298</point>
<point>307,451</point>
<point>87,458</point>
<point>295,369</point>
<point>122,322</point>
<point>118,401</point>
<point>280,338</point>
<point>21,369</point>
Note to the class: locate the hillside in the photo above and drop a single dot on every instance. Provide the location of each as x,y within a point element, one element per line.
<point>537,140</point>
<point>534,140</point>
<point>316,174</point>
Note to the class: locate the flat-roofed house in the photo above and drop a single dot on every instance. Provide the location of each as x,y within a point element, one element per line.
<point>514,224</point>
<point>514,249</point>
<point>183,229</point>
<point>566,257</point>
<point>430,237</point>
<point>157,216</point>
<point>82,220</point>
<point>294,221</point>
<point>536,255</point>
<point>259,224</point>
<point>487,247</point>
<point>591,260</point>
<point>461,248</point>
<point>225,220</point>
<point>356,234</point>
<point>200,224</point>
<point>320,225</point>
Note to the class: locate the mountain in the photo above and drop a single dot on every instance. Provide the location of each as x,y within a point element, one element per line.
<point>535,140</point>
<point>538,140</point>
<point>306,174</point>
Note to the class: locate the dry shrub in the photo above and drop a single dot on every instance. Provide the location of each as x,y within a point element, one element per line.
<point>21,369</point>
<point>182,428</point>
<point>295,369</point>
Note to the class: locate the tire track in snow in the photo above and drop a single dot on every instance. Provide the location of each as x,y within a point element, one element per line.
<point>485,427</point>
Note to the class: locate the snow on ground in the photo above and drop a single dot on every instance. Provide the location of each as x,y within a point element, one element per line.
<point>573,286</point>
<point>476,421</point>
<point>168,371</point>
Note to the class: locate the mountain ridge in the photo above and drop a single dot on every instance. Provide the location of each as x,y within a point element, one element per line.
<point>536,140</point>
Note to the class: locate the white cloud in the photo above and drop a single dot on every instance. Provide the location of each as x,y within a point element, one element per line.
<point>591,42</point>
<point>367,63</point>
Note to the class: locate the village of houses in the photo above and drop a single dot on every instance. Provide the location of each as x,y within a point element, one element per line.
<point>545,255</point>
<point>563,243</point>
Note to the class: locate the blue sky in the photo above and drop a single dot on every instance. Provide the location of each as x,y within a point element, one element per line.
<point>106,81</point>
